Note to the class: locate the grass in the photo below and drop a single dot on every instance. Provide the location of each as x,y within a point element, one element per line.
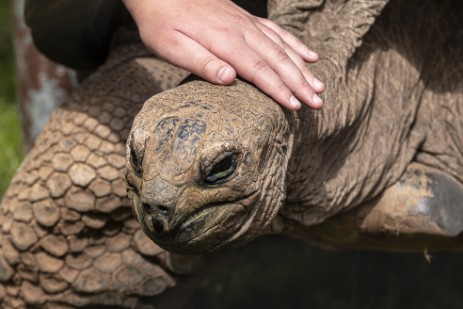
<point>10,143</point>
<point>10,136</point>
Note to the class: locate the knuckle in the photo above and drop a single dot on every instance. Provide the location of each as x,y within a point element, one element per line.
<point>281,55</point>
<point>266,22</point>
<point>281,89</point>
<point>282,43</point>
<point>261,66</point>
<point>304,84</point>
<point>254,19</point>
<point>170,43</point>
<point>277,28</point>
<point>166,41</point>
<point>204,64</point>
<point>303,69</point>
<point>162,47</point>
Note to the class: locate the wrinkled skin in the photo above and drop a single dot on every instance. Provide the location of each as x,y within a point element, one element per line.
<point>387,106</point>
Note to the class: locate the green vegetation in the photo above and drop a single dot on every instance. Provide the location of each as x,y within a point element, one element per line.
<point>10,143</point>
<point>10,136</point>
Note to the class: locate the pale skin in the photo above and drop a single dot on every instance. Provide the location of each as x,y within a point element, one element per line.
<point>217,40</point>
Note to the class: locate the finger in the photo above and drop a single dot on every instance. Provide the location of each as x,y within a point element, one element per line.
<point>250,66</point>
<point>316,84</point>
<point>301,49</point>
<point>263,76</point>
<point>277,58</point>
<point>186,53</point>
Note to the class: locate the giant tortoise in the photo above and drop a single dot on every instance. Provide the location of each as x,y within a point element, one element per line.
<point>379,167</point>
<point>208,166</point>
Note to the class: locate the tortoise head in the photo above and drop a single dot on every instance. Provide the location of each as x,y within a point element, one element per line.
<point>206,166</point>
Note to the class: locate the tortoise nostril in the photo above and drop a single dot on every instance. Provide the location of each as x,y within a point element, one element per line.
<point>150,209</point>
<point>163,209</point>
<point>158,225</point>
<point>146,207</point>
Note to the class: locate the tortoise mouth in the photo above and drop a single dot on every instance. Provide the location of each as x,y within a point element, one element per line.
<point>204,229</point>
<point>198,218</point>
<point>200,231</point>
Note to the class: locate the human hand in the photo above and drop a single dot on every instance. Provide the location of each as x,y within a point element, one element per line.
<point>216,39</point>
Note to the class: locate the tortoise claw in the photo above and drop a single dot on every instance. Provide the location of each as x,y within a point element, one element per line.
<point>435,200</point>
<point>423,210</point>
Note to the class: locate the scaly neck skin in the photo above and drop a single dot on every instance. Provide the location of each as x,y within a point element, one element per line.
<point>323,175</point>
<point>377,116</point>
<point>341,156</point>
<point>318,170</point>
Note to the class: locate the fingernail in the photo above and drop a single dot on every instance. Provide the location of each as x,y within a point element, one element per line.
<point>317,84</point>
<point>312,54</point>
<point>294,102</point>
<point>316,99</point>
<point>224,73</point>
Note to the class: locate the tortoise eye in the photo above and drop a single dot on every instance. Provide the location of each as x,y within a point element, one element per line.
<point>136,161</point>
<point>220,172</point>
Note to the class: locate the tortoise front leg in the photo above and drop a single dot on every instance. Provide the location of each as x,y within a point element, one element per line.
<point>421,212</point>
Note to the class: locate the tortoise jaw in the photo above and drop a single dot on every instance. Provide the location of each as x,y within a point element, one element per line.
<point>199,231</point>
<point>202,230</point>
